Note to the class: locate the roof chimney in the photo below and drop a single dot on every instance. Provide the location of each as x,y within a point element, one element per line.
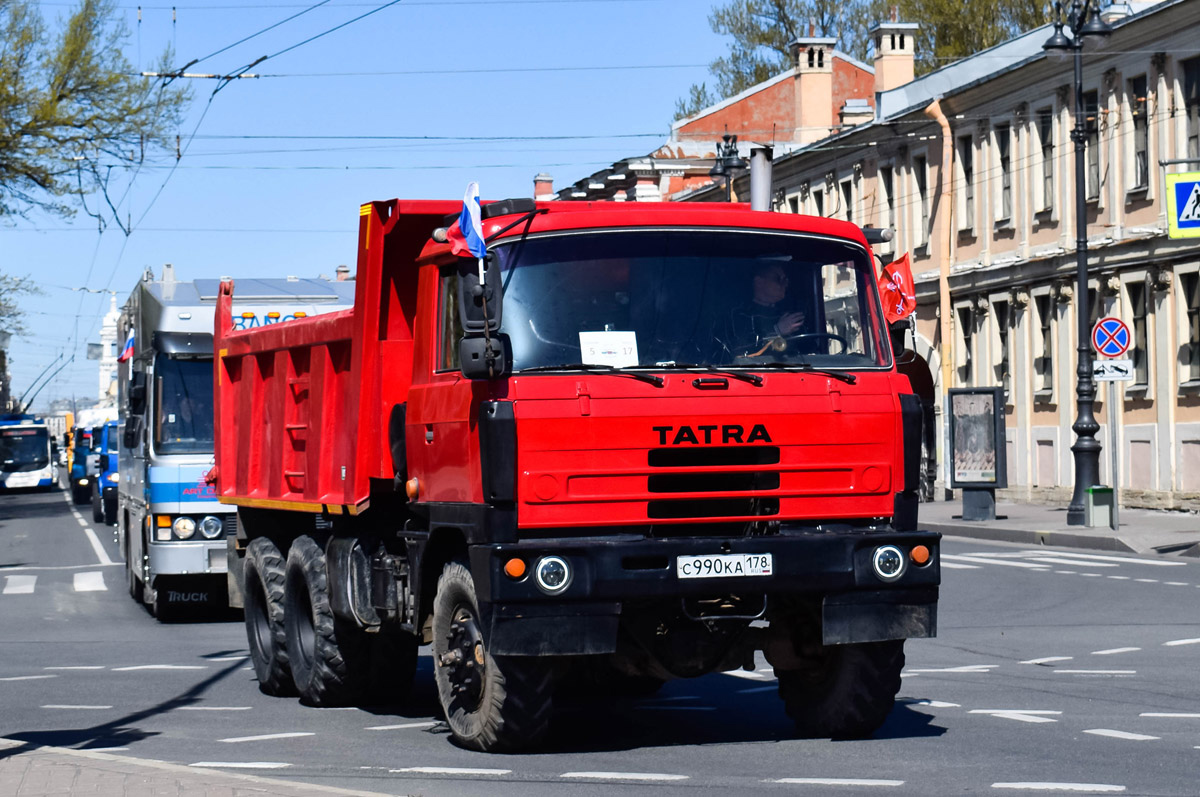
<point>894,52</point>
<point>543,187</point>
<point>342,272</point>
<point>812,63</point>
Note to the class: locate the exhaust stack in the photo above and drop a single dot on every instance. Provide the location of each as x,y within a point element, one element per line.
<point>760,178</point>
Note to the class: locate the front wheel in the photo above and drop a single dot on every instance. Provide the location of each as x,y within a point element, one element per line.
<point>492,703</point>
<point>845,691</point>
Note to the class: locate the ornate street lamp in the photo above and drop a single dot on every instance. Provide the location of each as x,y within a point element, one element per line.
<point>727,162</point>
<point>1082,19</point>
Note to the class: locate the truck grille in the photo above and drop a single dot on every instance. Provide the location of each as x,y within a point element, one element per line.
<point>713,480</point>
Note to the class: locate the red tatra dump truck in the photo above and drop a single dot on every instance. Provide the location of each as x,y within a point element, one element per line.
<point>634,443</point>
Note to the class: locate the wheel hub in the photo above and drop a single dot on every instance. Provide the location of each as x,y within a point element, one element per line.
<point>465,659</point>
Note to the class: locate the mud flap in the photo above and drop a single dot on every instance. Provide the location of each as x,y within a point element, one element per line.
<point>878,616</point>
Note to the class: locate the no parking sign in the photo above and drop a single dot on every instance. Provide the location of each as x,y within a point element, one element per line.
<point>1111,337</point>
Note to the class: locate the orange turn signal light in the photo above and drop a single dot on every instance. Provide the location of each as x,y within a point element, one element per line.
<point>919,554</point>
<point>412,488</point>
<point>164,521</point>
<point>514,568</point>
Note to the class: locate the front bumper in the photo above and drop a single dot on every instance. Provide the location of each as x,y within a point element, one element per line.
<point>610,572</point>
<point>188,558</point>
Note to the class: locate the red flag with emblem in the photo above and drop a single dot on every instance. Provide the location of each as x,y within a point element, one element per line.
<point>896,289</point>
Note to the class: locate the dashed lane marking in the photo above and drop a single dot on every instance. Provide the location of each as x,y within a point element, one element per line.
<point>652,776</point>
<point>97,548</point>
<point>90,581</point>
<point>1091,788</point>
<point>1118,559</point>
<point>930,703</point>
<point>1146,580</point>
<point>1113,651</point>
<point>1067,572</point>
<point>964,668</point>
<point>77,667</point>
<point>1120,578</point>
<point>267,737</point>
<point>76,708</point>
<point>1090,575</point>
<point>27,677</point>
<point>987,560</point>
<point>1177,642</point>
<point>19,585</point>
<point>1047,659</point>
<point>836,781</point>
<point>1133,737</point>
<point>1176,583</point>
<point>241,764</point>
<point>453,771</point>
<point>214,708</point>
<point>82,522</point>
<point>401,726</point>
<point>102,749</point>
<point>228,658</point>
<point>1170,715</point>
<point>137,667</point>
<point>753,676</point>
<point>1020,715</point>
<point>1096,672</point>
<point>31,568</point>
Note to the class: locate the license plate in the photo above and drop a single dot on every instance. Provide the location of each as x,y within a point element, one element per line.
<point>723,565</point>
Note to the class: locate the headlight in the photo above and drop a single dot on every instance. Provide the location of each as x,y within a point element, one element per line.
<point>184,528</point>
<point>83,482</point>
<point>112,477</point>
<point>210,527</point>
<point>553,575</point>
<point>888,562</point>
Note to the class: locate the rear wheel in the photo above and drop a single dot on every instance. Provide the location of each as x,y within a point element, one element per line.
<point>492,703</point>
<point>327,656</point>
<point>846,691</point>
<point>264,576</point>
<point>110,511</point>
<point>97,506</point>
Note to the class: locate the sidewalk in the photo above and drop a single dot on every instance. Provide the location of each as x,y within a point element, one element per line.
<point>27,771</point>
<point>1144,531</point>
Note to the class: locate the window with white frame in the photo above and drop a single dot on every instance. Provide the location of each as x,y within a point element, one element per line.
<point>1001,324</point>
<point>921,189</point>
<point>1045,131</point>
<point>963,348</point>
<point>1139,348</point>
<point>794,204</point>
<point>1091,113</point>
<point>1140,165</point>
<point>1004,209</point>
<point>966,174</point>
<point>1043,342</point>
<point>1191,104</point>
<point>818,199</point>
<point>848,200</point>
<point>1189,284</point>
<point>887,189</point>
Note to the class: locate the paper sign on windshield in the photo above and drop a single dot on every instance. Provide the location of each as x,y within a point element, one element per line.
<point>614,348</point>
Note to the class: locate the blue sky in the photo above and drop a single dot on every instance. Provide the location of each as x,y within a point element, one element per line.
<point>285,204</point>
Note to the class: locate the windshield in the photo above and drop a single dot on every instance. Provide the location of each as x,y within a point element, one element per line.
<point>657,298</point>
<point>183,411</point>
<point>112,439</point>
<point>24,449</point>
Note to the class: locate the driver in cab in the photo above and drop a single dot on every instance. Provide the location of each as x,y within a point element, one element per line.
<point>764,318</point>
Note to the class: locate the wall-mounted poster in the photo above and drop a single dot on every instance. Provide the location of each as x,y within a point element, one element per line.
<point>977,454</point>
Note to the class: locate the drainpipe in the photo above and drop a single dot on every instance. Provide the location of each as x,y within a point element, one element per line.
<point>946,202</point>
<point>760,178</point>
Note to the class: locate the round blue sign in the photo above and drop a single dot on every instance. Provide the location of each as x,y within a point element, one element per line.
<point>1111,337</point>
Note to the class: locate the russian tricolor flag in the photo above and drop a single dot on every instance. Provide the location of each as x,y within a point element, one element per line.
<point>127,351</point>
<point>466,235</point>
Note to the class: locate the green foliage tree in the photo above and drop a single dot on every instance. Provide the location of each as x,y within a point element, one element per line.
<point>71,108</point>
<point>12,317</point>
<point>761,30</point>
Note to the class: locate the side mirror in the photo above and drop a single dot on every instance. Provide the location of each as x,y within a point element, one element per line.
<point>137,391</point>
<point>104,462</point>
<point>896,331</point>
<point>479,360</point>
<point>133,432</point>
<point>471,295</point>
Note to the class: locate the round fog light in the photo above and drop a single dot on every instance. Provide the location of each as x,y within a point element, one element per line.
<point>553,574</point>
<point>184,527</point>
<point>210,527</point>
<point>888,562</point>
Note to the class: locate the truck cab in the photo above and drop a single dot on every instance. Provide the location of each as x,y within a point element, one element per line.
<point>104,486</point>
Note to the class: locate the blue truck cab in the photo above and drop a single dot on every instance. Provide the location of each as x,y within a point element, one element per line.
<point>104,486</point>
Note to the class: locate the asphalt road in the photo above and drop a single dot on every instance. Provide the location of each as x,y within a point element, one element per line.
<point>1055,671</point>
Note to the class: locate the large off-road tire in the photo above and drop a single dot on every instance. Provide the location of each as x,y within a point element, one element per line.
<point>847,691</point>
<point>327,656</point>
<point>264,574</point>
<point>492,703</point>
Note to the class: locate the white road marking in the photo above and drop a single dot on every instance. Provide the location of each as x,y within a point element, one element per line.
<point>228,658</point>
<point>953,566</point>
<point>1059,560</point>
<point>160,667</point>
<point>214,708</point>
<point>1120,578</point>
<point>1047,659</point>
<point>1094,788</point>
<point>1176,583</point>
<point>77,708</point>
<point>453,771</point>
<point>1176,642</point>
<point>623,776</point>
<point>267,736</point>
<point>91,581</point>
<point>987,560</point>
<point>1170,715</point>
<point>82,522</point>
<point>1090,575</point>
<point>1101,558</point>
<point>1096,672</point>
<point>31,568</point>
<point>1133,737</point>
<point>1146,580</point>
<point>77,667</point>
<point>27,677</point>
<point>1066,572</point>
<point>103,749</point>
<point>964,668</point>
<point>241,764</point>
<point>756,690</point>
<point>753,676</point>
<point>837,782</point>
<point>19,585</point>
<point>1111,651</point>
<point>930,703</point>
<point>96,546</point>
<point>402,726</point>
<point>1020,715</point>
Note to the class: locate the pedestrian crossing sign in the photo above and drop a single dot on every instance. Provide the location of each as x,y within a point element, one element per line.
<point>1183,205</point>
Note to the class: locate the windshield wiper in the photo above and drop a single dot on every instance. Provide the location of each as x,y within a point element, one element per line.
<point>849,379</point>
<point>753,379</point>
<point>657,381</point>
